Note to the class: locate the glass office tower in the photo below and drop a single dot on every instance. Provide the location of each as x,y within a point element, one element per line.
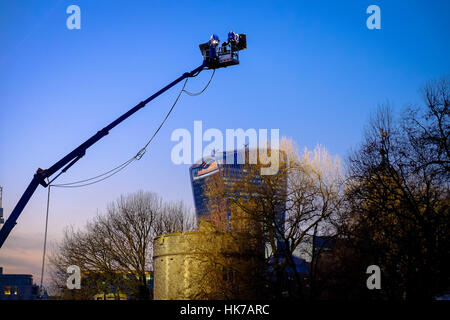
<point>219,165</point>
<point>214,165</point>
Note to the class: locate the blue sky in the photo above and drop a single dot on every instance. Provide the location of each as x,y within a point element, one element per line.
<point>312,69</point>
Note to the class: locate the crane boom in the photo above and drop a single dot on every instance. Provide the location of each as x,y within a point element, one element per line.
<point>214,57</point>
<point>76,154</point>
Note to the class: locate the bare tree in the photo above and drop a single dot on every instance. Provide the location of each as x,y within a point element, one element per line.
<point>306,191</point>
<point>428,131</point>
<point>174,217</point>
<point>118,245</point>
<point>398,194</point>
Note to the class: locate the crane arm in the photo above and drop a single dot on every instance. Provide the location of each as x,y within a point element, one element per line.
<point>76,154</point>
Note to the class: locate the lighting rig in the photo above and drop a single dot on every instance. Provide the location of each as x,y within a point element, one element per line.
<point>226,54</point>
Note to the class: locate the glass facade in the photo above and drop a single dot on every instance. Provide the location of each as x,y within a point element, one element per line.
<point>218,164</point>
<point>230,167</point>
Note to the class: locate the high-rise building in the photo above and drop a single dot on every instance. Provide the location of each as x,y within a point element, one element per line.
<point>216,164</point>
<point>229,167</point>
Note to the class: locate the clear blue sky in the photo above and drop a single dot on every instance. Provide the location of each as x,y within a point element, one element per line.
<point>312,70</point>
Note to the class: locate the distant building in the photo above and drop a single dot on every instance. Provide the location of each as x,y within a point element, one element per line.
<point>323,245</point>
<point>113,285</point>
<point>314,245</point>
<point>17,287</point>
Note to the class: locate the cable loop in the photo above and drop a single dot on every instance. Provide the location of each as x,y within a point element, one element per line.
<point>139,154</point>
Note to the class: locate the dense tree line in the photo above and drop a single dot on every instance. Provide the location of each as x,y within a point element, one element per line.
<point>397,197</point>
<point>389,207</point>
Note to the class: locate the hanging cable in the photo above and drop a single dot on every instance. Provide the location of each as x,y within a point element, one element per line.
<point>41,289</point>
<point>207,85</point>
<point>140,153</point>
<point>118,168</point>
<point>77,185</point>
